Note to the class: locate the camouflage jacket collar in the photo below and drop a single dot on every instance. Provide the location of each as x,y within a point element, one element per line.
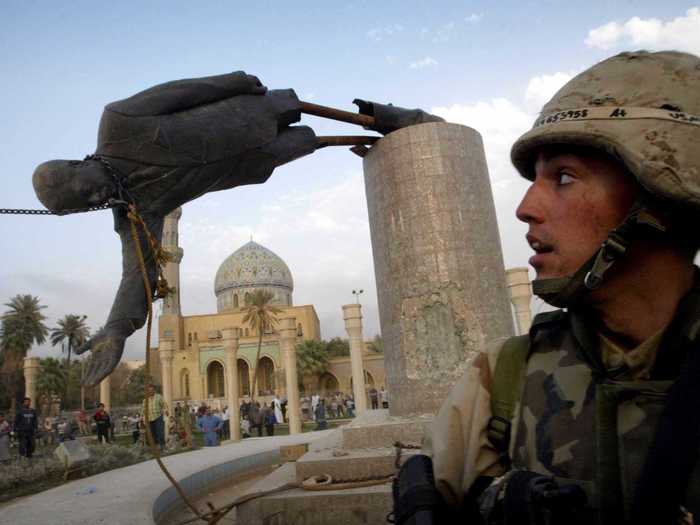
<point>681,334</point>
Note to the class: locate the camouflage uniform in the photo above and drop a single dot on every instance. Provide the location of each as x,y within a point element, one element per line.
<point>588,409</point>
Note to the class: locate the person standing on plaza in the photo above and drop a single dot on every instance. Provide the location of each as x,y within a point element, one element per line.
<point>256,418</point>
<point>25,426</point>
<point>277,407</point>
<point>374,398</point>
<point>83,423</point>
<point>134,424</point>
<point>103,422</point>
<point>210,425</point>
<point>350,405</point>
<point>5,430</point>
<point>269,420</point>
<point>47,427</point>
<point>384,398</point>
<point>226,427</point>
<point>157,408</point>
<point>315,398</point>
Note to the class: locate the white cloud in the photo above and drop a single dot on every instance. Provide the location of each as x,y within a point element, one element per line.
<point>444,33</point>
<point>379,33</point>
<point>423,63</point>
<point>473,18</point>
<point>541,88</point>
<point>681,33</point>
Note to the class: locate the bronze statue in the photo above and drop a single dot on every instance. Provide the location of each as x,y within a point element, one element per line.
<point>170,144</point>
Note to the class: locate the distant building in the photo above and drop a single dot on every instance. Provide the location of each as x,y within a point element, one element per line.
<point>199,365</point>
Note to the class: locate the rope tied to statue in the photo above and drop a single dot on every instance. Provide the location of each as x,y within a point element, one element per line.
<point>160,257</point>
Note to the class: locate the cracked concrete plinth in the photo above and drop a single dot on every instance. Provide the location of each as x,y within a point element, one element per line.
<point>437,257</point>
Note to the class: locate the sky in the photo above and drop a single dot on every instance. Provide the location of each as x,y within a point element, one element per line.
<point>488,65</point>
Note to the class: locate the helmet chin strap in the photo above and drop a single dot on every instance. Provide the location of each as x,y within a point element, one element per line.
<point>564,292</point>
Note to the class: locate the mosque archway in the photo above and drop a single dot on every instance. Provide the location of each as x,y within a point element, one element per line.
<point>266,376</point>
<point>328,384</point>
<point>215,380</point>
<point>243,378</point>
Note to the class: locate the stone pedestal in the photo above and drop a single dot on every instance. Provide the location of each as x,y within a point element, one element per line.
<point>166,349</point>
<point>352,314</point>
<point>437,258</point>
<point>520,295</point>
<point>288,339</point>
<point>230,338</point>
<point>105,393</point>
<point>31,370</point>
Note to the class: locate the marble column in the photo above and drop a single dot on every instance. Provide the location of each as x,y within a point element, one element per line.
<point>288,339</point>
<point>437,259</point>
<point>352,314</point>
<point>230,339</point>
<point>520,295</point>
<point>166,349</point>
<point>106,393</point>
<point>31,370</point>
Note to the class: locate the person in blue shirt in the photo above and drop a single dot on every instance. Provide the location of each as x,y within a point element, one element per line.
<point>210,425</point>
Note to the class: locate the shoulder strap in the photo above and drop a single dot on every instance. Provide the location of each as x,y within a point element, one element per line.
<point>505,391</point>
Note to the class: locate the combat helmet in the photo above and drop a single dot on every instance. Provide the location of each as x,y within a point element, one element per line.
<point>643,109</point>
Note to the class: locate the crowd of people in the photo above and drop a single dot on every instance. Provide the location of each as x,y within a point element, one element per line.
<point>257,419</point>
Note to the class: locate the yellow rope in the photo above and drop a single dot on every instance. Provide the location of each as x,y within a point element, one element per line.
<point>135,219</point>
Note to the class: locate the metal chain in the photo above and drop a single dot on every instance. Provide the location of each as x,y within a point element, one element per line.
<point>15,211</point>
<point>119,180</point>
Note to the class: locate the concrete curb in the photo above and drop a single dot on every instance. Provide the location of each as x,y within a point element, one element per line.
<point>137,494</point>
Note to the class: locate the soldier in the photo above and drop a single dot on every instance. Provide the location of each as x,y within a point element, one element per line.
<point>597,409</point>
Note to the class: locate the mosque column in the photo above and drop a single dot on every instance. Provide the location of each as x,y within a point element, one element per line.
<point>288,339</point>
<point>352,314</point>
<point>520,291</point>
<point>165,351</point>
<point>31,370</point>
<point>230,339</point>
<point>106,393</point>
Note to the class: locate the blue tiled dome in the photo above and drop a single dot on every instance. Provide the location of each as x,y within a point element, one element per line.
<point>253,266</point>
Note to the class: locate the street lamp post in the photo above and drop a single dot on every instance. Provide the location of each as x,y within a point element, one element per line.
<point>357,293</point>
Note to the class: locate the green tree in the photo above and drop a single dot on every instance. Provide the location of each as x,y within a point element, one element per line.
<point>260,315</point>
<point>70,332</point>
<point>377,344</point>
<point>338,347</point>
<point>51,379</point>
<point>22,326</point>
<point>136,385</point>
<point>312,359</point>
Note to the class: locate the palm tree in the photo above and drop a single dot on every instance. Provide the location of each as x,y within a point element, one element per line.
<point>312,359</point>
<point>22,326</point>
<point>260,314</point>
<point>70,332</point>
<point>52,377</point>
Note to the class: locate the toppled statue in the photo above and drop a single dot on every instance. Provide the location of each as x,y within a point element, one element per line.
<point>172,143</point>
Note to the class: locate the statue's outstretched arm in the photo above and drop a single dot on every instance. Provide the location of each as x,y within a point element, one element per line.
<point>180,95</point>
<point>130,308</point>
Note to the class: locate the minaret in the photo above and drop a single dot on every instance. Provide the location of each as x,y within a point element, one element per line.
<point>171,304</point>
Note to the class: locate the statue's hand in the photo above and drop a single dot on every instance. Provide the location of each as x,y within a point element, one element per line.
<point>388,118</point>
<point>106,347</point>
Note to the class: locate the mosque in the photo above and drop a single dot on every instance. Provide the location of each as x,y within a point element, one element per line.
<point>198,371</point>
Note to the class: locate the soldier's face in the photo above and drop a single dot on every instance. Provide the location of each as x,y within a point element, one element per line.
<point>574,201</point>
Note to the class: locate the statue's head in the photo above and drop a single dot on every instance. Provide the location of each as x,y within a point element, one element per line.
<point>63,185</point>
